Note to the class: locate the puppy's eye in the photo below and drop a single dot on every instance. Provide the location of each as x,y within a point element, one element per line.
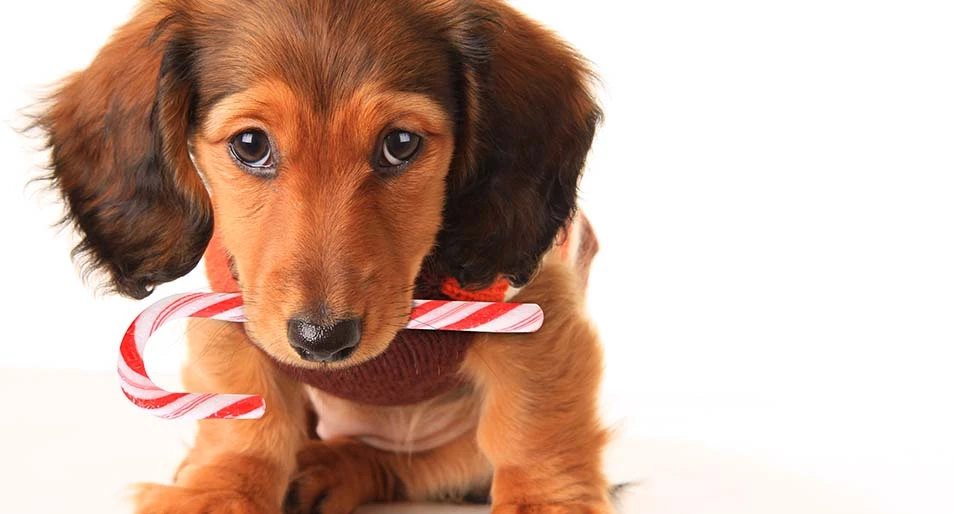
<point>252,149</point>
<point>397,149</point>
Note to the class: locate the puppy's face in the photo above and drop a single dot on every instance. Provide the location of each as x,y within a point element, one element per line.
<point>337,145</point>
<point>327,180</point>
<point>326,217</point>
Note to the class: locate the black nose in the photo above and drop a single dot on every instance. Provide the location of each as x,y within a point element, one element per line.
<point>324,342</point>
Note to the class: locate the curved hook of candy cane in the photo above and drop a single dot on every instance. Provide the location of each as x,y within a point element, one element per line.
<point>514,318</point>
<point>144,393</point>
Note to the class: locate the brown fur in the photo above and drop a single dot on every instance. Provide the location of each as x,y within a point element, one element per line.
<point>507,120</point>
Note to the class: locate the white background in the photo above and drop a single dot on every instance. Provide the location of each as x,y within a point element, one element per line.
<point>772,189</point>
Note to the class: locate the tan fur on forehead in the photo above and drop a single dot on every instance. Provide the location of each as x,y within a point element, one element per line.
<point>383,41</point>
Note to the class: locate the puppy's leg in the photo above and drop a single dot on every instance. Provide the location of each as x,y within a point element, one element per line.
<point>236,466</point>
<point>339,475</point>
<point>540,426</point>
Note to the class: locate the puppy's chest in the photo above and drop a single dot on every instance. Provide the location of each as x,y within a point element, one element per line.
<point>410,428</point>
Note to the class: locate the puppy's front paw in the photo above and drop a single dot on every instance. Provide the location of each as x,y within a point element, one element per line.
<point>231,484</point>
<point>333,478</point>
<point>319,490</point>
<point>163,499</point>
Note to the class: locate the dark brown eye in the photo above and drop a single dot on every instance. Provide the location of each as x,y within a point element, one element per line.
<point>397,149</point>
<point>252,149</point>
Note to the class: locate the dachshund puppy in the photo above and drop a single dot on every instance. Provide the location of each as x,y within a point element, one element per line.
<point>353,154</point>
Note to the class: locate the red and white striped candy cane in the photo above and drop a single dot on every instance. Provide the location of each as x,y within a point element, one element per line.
<point>143,392</point>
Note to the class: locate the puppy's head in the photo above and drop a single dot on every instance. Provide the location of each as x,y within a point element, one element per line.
<point>340,145</point>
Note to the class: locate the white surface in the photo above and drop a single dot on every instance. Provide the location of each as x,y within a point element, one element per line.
<point>773,193</point>
<point>95,445</point>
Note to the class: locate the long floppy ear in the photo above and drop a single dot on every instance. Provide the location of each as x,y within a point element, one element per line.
<point>118,137</point>
<point>527,121</point>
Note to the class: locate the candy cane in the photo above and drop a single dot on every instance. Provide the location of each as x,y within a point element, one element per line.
<point>143,392</point>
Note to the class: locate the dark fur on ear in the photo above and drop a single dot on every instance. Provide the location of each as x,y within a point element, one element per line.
<point>118,138</point>
<point>527,120</point>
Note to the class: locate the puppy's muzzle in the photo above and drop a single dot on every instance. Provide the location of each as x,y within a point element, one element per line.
<point>324,342</point>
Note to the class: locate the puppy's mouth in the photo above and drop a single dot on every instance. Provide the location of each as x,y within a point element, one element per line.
<point>318,343</point>
<point>321,335</point>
